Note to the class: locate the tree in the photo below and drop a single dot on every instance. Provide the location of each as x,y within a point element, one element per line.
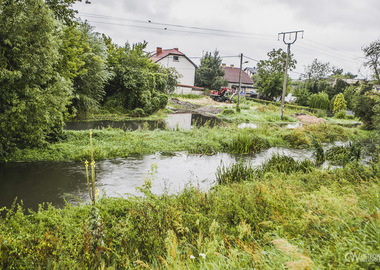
<point>33,95</point>
<point>89,83</point>
<point>137,84</point>
<point>270,76</point>
<point>62,10</point>
<point>210,73</point>
<point>317,71</point>
<point>302,94</point>
<point>372,54</point>
<point>340,103</point>
<point>364,103</point>
<point>319,101</point>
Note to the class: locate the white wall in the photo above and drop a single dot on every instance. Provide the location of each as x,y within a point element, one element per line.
<point>183,67</point>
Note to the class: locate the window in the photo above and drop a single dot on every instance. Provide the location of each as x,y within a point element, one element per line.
<point>175,58</point>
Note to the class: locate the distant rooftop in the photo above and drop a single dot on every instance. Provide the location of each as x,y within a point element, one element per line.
<point>232,75</point>
<point>160,54</point>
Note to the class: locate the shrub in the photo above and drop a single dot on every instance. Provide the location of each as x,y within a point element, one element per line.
<point>319,101</point>
<point>340,115</point>
<point>138,112</point>
<point>339,103</point>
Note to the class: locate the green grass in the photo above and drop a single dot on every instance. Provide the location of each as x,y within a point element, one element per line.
<point>114,143</point>
<point>309,218</point>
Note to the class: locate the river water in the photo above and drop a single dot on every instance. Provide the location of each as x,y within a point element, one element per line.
<point>55,182</point>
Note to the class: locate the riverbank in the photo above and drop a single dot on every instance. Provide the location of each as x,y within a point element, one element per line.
<point>116,143</point>
<point>308,219</point>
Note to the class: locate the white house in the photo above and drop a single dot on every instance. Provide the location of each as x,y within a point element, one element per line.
<point>173,58</point>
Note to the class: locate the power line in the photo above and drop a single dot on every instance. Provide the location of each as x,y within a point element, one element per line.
<point>99,16</point>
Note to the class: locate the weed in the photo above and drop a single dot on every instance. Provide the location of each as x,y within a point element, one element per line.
<point>341,155</point>
<point>247,143</point>
<point>236,172</point>
<point>284,164</point>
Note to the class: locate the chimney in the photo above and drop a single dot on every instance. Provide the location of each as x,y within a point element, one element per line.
<point>159,50</point>
<point>232,66</point>
<point>176,49</point>
<point>224,65</point>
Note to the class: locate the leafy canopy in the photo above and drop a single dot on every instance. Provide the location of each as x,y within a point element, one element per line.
<point>210,73</point>
<point>136,82</point>
<point>33,95</point>
<point>270,76</point>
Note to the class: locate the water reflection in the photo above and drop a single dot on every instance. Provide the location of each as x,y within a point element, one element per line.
<point>173,121</point>
<point>35,183</point>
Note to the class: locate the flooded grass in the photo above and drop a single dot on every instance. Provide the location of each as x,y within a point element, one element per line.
<point>341,155</point>
<point>115,143</point>
<point>302,220</point>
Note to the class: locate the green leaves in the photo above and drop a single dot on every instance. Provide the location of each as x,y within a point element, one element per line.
<point>33,95</point>
<point>136,81</point>
<point>270,76</point>
<point>210,73</point>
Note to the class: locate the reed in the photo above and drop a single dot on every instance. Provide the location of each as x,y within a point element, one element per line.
<point>341,155</point>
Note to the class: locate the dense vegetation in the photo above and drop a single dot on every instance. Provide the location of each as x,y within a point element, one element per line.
<point>110,143</point>
<point>300,219</point>
<point>53,67</point>
<point>286,213</point>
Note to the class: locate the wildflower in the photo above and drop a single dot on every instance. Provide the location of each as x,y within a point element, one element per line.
<point>192,257</point>
<point>97,193</point>
<point>202,255</point>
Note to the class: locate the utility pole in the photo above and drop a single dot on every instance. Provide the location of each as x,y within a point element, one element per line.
<point>287,42</point>
<point>241,66</point>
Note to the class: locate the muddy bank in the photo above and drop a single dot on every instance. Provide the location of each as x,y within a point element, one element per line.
<point>180,106</point>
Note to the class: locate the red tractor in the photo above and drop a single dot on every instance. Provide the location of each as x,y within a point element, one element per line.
<point>223,95</point>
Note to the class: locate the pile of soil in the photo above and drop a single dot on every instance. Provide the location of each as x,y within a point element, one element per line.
<point>182,106</point>
<point>208,110</point>
<point>308,119</point>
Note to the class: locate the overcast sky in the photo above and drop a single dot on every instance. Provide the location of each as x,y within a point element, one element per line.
<point>334,30</point>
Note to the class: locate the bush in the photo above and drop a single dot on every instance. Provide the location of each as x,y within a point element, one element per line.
<point>319,101</point>
<point>340,115</point>
<point>138,112</point>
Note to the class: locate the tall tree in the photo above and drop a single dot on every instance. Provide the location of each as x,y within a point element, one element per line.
<point>372,55</point>
<point>33,95</point>
<point>317,71</point>
<point>210,73</point>
<point>137,83</point>
<point>270,76</point>
<point>90,80</point>
<point>63,11</point>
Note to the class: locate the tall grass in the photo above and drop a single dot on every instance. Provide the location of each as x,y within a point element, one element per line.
<point>246,143</point>
<point>341,155</point>
<point>303,220</point>
<point>115,143</point>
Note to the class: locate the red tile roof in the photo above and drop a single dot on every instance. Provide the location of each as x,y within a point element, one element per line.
<point>163,53</point>
<point>232,75</point>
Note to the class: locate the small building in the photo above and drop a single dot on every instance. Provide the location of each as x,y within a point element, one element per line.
<point>251,71</point>
<point>173,58</point>
<point>232,77</point>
